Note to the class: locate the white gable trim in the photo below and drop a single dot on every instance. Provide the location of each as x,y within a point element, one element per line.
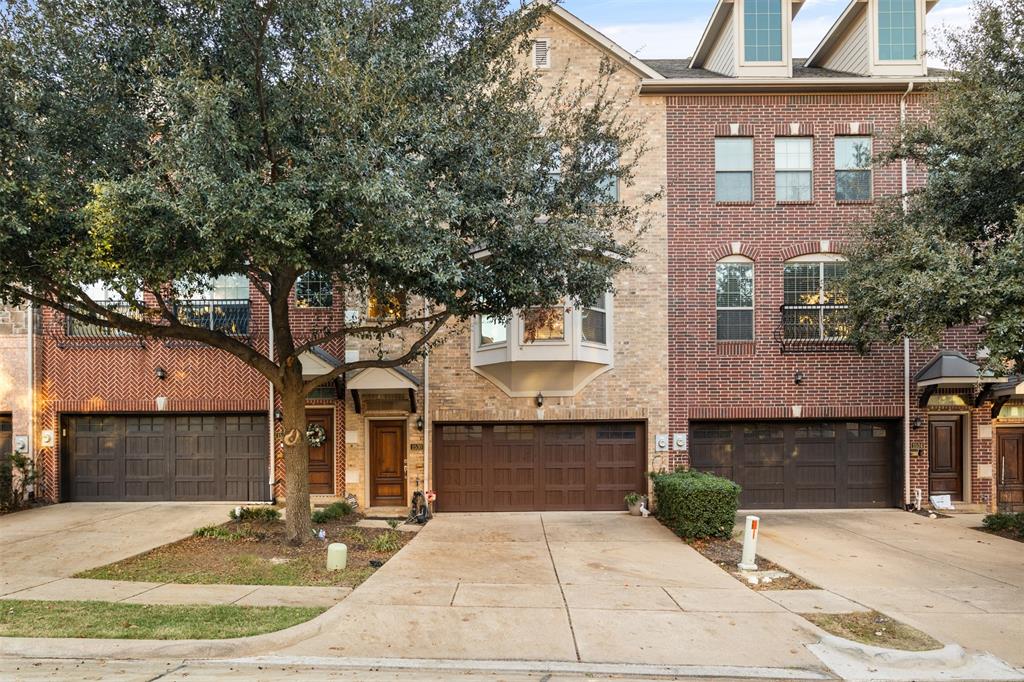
<point>379,379</point>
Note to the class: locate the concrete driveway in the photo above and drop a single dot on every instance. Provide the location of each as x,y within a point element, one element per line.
<point>939,575</point>
<point>590,587</point>
<point>44,544</point>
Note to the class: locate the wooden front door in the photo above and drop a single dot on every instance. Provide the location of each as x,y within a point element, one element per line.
<point>1010,474</point>
<point>946,456</point>
<point>321,457</point>
<point>387,464</point>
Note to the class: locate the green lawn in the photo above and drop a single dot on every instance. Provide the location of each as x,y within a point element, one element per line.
<point>106,620</point>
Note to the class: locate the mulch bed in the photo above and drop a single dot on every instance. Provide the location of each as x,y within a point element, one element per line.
<point>727,553</point>
<point>259,554</point>
<point>1008,533</point>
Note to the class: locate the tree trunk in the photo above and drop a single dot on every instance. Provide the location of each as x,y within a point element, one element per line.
<point>296,461</point>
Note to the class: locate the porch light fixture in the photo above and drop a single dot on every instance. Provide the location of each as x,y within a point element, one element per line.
<point>799,377</point>
<point>419,423</point>
<point>161,373</point>
<point>917,423</point>
<point>278,415</point>
<point>540,400</point>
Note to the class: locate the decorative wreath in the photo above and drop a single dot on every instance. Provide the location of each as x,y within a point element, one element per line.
<point>316,435</point>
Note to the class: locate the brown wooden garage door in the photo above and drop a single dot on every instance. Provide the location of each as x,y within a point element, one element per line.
<point>537,467</point>
<point>166,457</point>
<point>803,465</point>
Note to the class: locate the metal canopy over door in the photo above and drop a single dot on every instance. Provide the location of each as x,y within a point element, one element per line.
<point>1010,474</point>
<point>538,467</point>
<point>946,456</point>
<point>802,465</point>
<point>150,457</point>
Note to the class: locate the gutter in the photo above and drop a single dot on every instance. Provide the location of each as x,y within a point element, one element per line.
<point>725,85</point>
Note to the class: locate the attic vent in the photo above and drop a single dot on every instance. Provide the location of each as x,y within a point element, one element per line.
<point>541,54</point>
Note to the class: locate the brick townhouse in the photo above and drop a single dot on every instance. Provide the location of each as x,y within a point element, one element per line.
<point>722,349</point>
<point>769,173</point>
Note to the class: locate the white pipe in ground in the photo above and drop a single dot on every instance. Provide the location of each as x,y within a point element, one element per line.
<point>747,563</point>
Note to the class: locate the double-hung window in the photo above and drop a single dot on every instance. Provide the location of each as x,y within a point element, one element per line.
<point>794,164</point>
<point>815,305</point>
<point>595,322</point>
<point>734,169</point>
<point>544,324</point>
<point>853,168</point>
<point>492,332</point>
<point>734,300</point>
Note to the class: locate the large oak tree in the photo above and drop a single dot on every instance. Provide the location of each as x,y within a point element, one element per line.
<point>398,147</point>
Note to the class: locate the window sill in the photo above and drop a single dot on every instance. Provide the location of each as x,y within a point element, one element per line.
<point>854,202</point>
<point>795,203</point>
<point>734,203</point>
<point>735,348</point>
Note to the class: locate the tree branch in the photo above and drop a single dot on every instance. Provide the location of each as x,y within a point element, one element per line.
<point>367,330</point>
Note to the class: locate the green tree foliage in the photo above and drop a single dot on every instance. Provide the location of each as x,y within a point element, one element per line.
<point>954,254</point>
<point>398,147</point>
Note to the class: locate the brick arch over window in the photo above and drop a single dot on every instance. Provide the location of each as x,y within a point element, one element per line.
<point>735,249</point>
<point>809,248</point>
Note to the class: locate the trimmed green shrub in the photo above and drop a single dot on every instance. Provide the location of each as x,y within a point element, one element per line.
<point>388,541</point>
<point>695,504</point>
<point>255,514</point>
<point>332,512</point>
<point>219,533</point>
<point>1003,522</point>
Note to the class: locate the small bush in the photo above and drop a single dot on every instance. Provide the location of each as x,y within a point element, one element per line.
<point>1005,522</point>
<point>332,512</point>
<point>16,474</point>
<point>388,541</point>
<point>255,514</point>
<point>218,533</point>
<point>696,505</point>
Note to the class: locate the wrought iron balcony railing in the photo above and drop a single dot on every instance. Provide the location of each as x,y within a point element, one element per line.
<point>80,329</point>
<point>813,327</point>
<point>231,317</point>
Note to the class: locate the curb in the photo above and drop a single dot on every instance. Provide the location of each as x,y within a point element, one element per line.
<point>125,649</point>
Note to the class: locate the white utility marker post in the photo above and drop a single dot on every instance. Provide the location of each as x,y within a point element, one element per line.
<point>750,545</point>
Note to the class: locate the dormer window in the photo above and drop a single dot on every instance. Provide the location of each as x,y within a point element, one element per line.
<point>897,30</point>
<point>762,30</point>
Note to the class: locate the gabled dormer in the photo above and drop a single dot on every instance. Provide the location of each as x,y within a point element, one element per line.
<point>749,39</point>
<point>877,38</point>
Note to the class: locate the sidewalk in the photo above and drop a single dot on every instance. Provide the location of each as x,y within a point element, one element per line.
<point>83,589</point>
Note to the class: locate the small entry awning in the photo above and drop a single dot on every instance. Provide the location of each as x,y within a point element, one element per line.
<point>317,362</point>
<point>1004,393</point>
<point>952,369</point>
<point>382,380</point>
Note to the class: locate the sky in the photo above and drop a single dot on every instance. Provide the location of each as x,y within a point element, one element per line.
<point>670,29</point>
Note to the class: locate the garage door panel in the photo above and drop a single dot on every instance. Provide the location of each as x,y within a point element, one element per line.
<point>161,457</point>
<point>520,467</point>
<point>811,464</point>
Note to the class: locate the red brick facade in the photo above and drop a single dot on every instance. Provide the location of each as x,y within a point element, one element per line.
<point>755,380</point>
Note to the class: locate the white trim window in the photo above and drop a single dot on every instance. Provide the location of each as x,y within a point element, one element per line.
<point>794,168</point>
<point>314,290</point>
<point>734,169</point>
<point>544,324</point>
<point>897,30</point>
<point>853,168</point>
<point>734,300</point>
<point>594,322</point>
<point>814,303</point>
<point>490,332</point>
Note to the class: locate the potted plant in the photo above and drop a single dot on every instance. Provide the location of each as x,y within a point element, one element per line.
<point>633,502</point>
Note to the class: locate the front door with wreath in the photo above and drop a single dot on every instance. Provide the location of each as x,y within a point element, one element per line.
<point>319,434</point>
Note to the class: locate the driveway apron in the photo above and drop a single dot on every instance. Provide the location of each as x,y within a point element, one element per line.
<point>590,587</point>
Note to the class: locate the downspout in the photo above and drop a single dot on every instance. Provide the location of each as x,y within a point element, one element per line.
<point>270,409</point>
<point>906,340</point>
<point>427,426</point>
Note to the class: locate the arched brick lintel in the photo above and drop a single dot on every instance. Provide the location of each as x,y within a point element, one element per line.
<point>735,249</point>
<point>810,247</point>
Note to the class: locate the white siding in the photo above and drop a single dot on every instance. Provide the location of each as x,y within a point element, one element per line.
<point>852,53</point>
<point>722,58</point>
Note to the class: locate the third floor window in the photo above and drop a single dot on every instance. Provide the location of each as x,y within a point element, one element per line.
<point>734,169</point>
<point>853,168</point>
<point>794,164</point>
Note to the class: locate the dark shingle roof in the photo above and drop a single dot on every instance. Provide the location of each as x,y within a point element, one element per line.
<point>680,68</point>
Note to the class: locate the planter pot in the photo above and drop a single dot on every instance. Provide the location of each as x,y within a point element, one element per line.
<point>634,509</point>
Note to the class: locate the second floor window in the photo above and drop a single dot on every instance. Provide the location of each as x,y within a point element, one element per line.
<point>734,301</point>
<point>853,168</point>
<point>544,324</point>
<point>762,30</point>
<point>814,303</point>
<point>492,331</point>
<point>222,306</point>
<point>794,164</point>
<point>101,294</point>
<point>385,307</point>
<point>734,169</point>
<point>594,322</point>
<point>314,290</point>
